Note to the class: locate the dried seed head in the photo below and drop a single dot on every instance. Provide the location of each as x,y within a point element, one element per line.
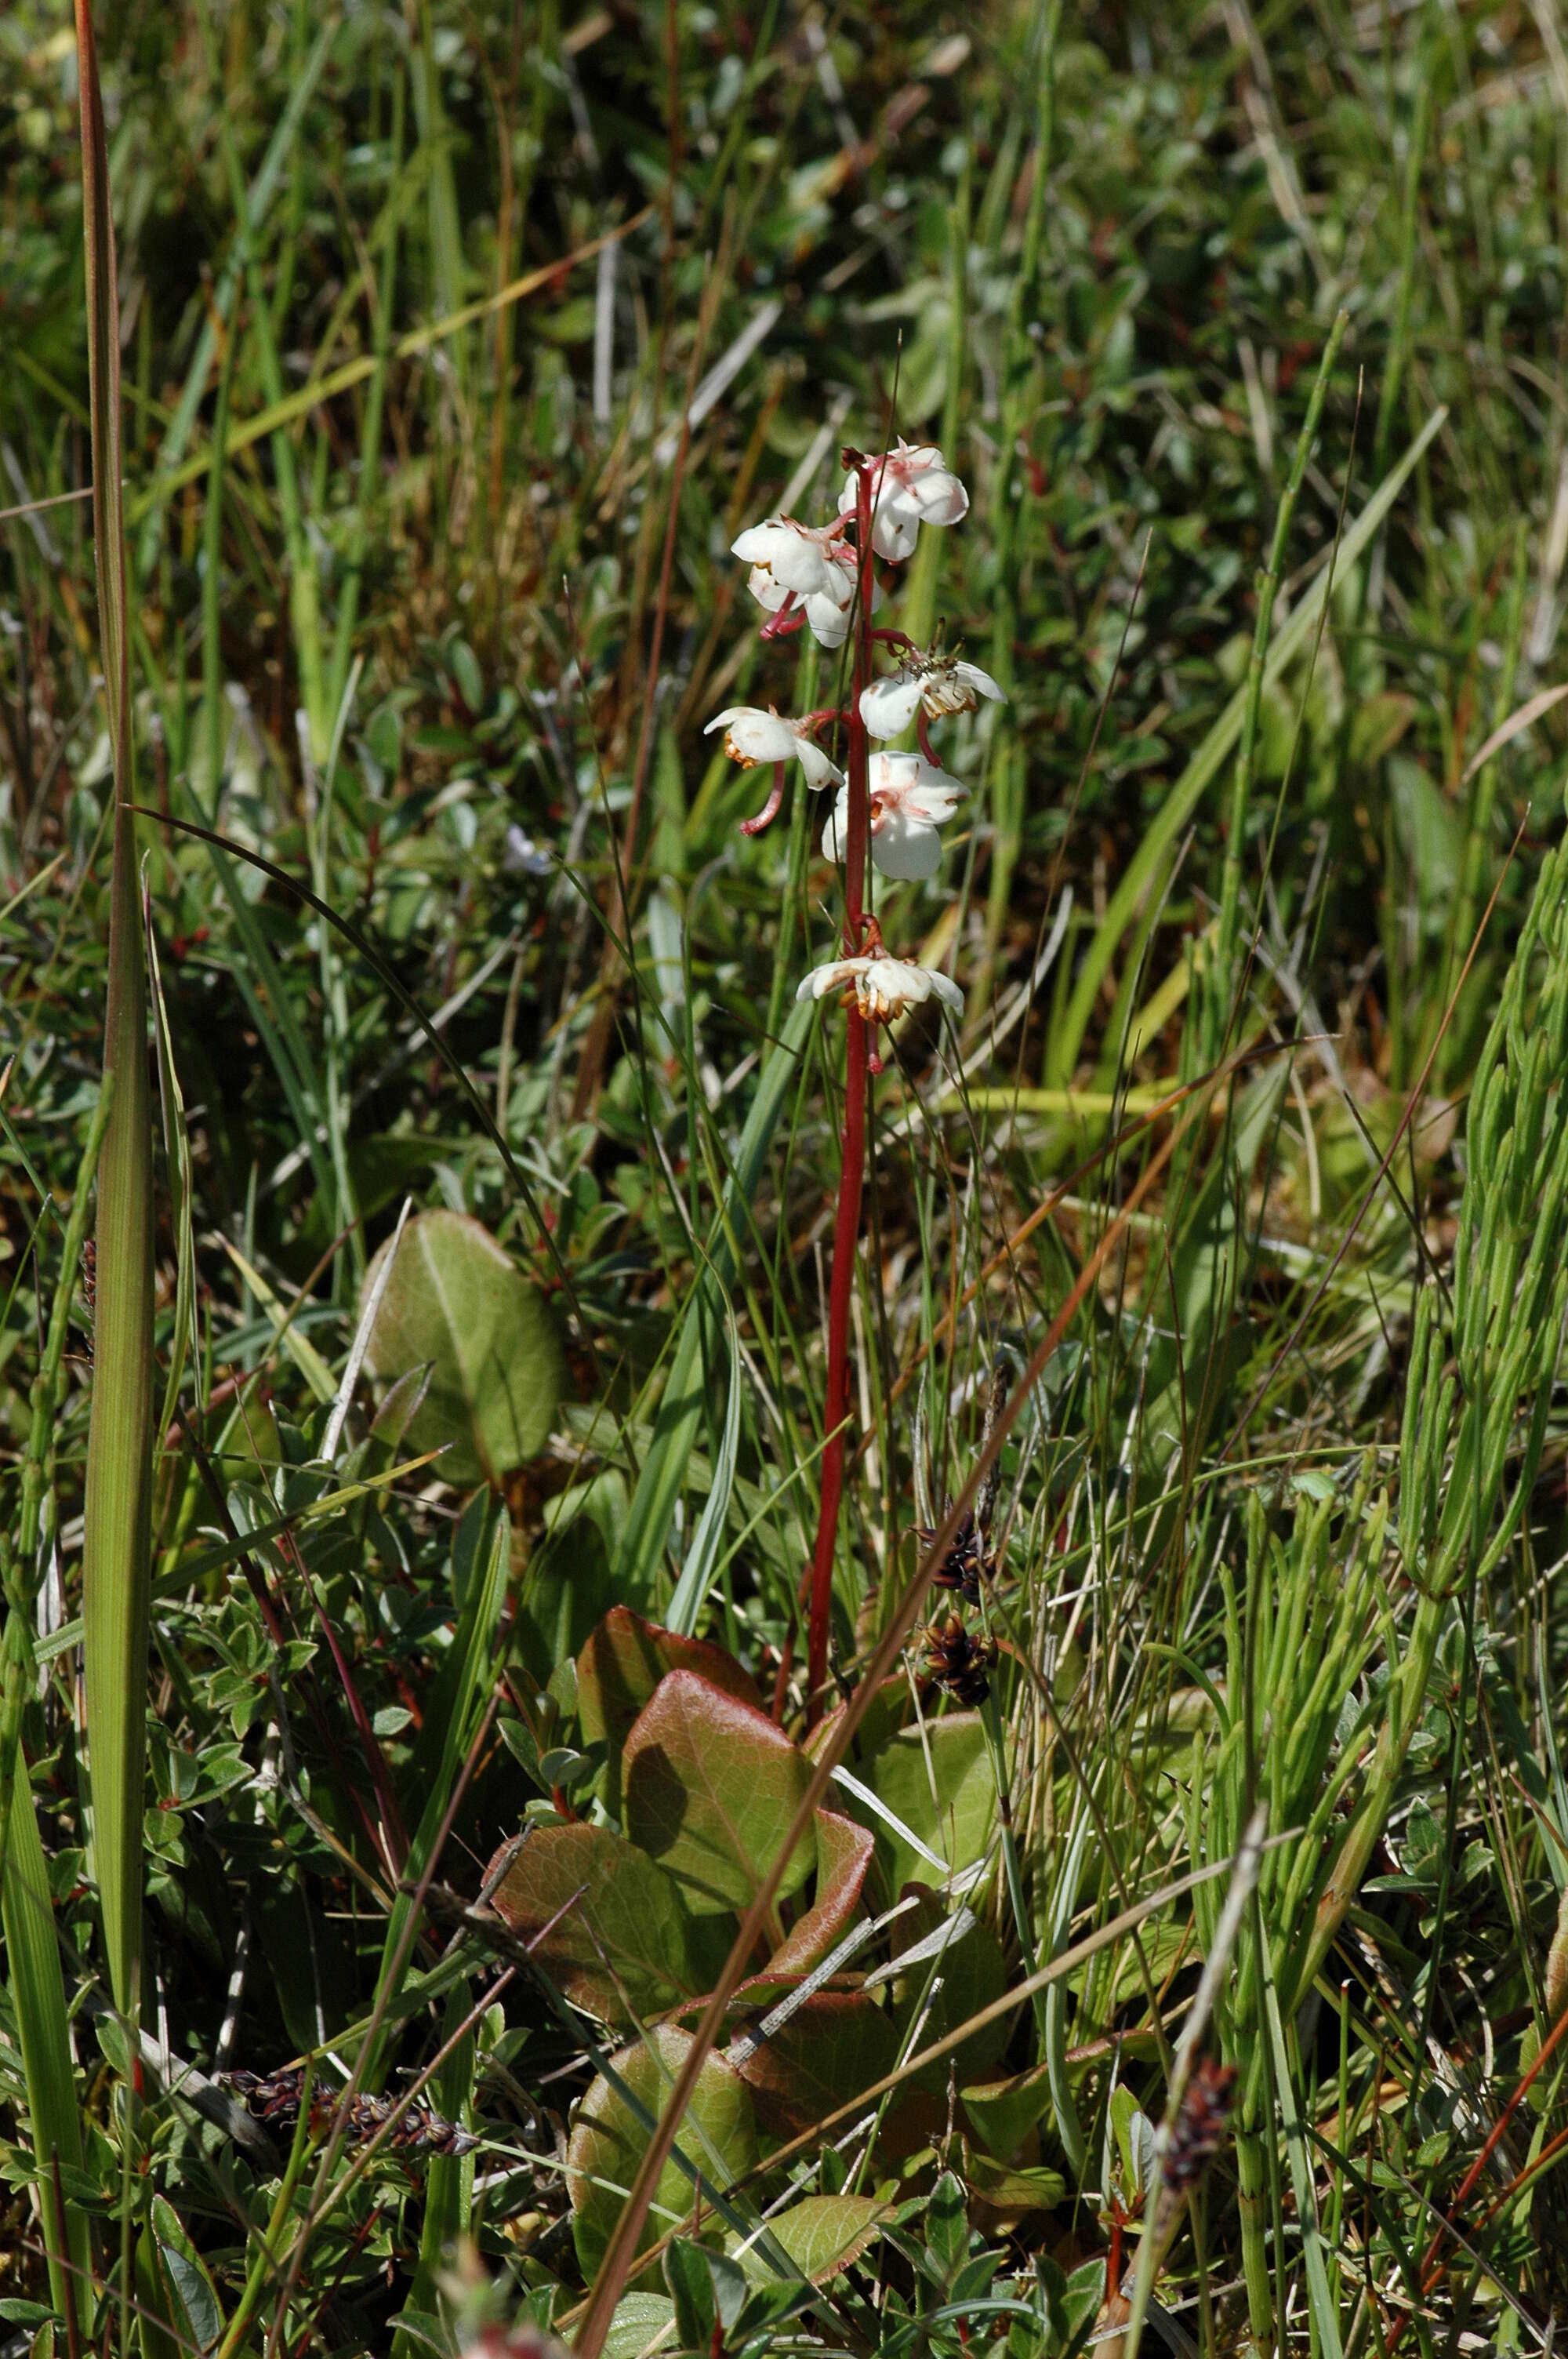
<point>275,2098</point>
<point>1200,2125</point>
<point>959,1662</point>
<point>966,1562</point>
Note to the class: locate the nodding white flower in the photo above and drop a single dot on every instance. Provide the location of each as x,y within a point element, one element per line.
<point>751,735</point>
<point>910,486</point>
<point>883,987</point>
<point>941,683</point>
<point>911,798</point>
<point>809,564</point>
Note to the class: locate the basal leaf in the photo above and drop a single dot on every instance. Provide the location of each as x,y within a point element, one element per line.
<point>455,1301</point>
<point>710,1789</point>
<point>843,1854</point>
<point>821,2235</point>
<point>1004,2111</point>
<point>834,2045</point>
<point>940,1782</point>
<point>608,2140</point>
<point>640,2319</point>
<point>622,1665</point>
<point>945,1991</point>
<point>618,1940</point>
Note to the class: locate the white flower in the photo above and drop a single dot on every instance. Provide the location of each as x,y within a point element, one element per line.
<point>910,486</point>
<point>911,798</point>
<point>810,564</point>
<point>521,856</point>
<point>751,735</point>
<point>883,987</point>
<point>941,683</point>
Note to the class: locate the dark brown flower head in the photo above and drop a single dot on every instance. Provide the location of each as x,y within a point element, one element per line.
<point>1200,2125</point>
<point>275,2098</point>
<point>966,1562</point>
<point>959,1662</point>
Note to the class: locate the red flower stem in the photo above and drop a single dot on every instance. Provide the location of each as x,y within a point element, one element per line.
<point>770,810</point>
<point>852,1175</point>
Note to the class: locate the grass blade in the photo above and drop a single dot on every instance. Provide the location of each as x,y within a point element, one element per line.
<point>1146,869</point>
<point>37,1994</point>
<point>116,1540</point>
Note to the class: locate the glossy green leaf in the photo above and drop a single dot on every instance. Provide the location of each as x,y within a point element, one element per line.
<point>608,2140</point>
<point>940,1783</point>
<point>619,1940</point>
<point>1004,2111</point>
<point>945,1991</point>
<point>711,1786</point>
<point>821,2235</point>
<point>457,1301</point>
<point>621,1666</point>
<point>640,2319</point>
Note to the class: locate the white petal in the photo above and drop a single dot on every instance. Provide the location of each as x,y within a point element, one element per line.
<point>930,804</point>
<point>888,706</point>
<point>892,774</point>
<point>819,770</point>
<point>947,990</point>
<point>895,528</point>
<point>760,543</point>
<point>981,681</point>
<point>765,589</point>
<point>837,830</point>
<point>939,498</point>
<point>905,847</point>
<point>833,976</point>
<point>753,735</point>
<point>801,567</point>
<point>830,620</point>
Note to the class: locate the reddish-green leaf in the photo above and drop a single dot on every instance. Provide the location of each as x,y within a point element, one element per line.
<point>608,2141</point>
<point>606,1924</point>
<point>622,1665</point>
<point>843,1854</point>
<point>711,1786</point>
<point>1004,2111</point>
<point>834,2045</point>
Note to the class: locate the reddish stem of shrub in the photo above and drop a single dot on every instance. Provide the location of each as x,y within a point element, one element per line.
<point>852,1175</point>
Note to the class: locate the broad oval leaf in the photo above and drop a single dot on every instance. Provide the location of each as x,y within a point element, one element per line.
<point>640,2319</point>
<point>821,2235</point>
<point>1004,2111</point>
<point>456,1301</point>
<point>943,1992</point>
<point>605,1922</point>
<point>710,1789</point>
<point>608,2141</point>
<point>835,2044</point>
<point>622,1665</point>
<point>940,1783</point>
<point>843,1854</point>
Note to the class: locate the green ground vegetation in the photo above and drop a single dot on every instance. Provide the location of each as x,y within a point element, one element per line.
<point>402,1709</point>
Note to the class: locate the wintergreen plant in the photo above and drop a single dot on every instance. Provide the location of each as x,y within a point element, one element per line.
<point>887,817</point>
